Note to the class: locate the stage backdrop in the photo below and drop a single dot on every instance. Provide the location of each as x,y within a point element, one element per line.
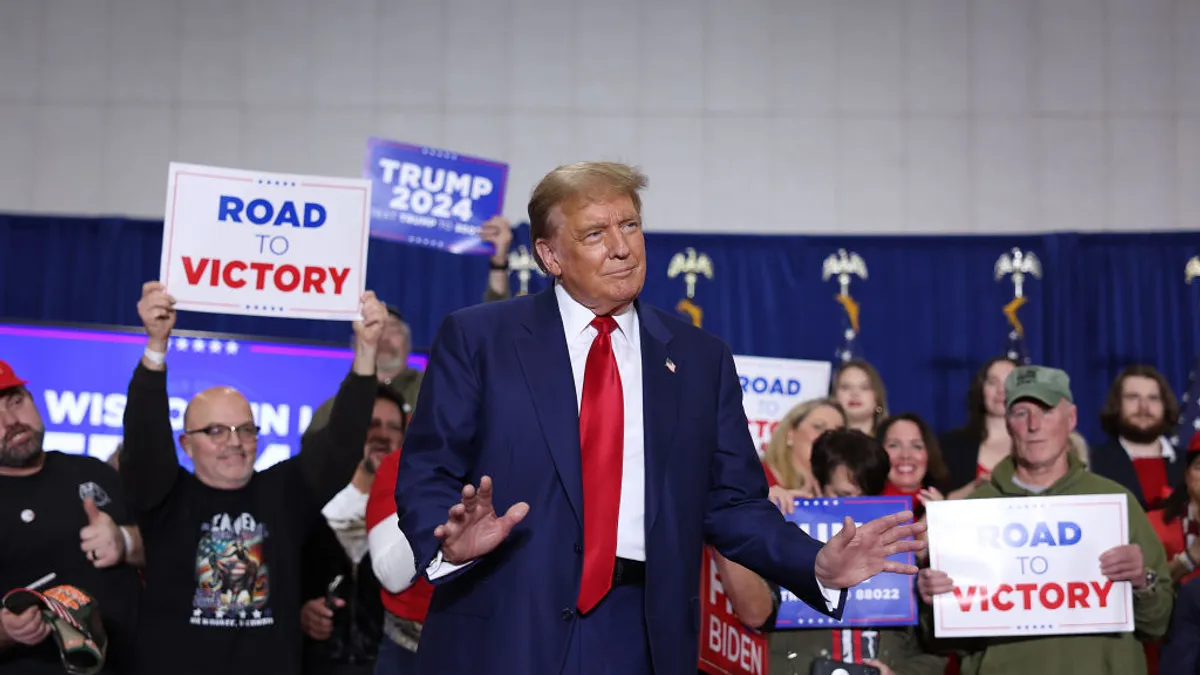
<point>930,307</point>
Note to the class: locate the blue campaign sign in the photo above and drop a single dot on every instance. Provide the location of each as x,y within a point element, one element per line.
<point>79,377</point>
<point>883,600</point>
<point>431,197</point>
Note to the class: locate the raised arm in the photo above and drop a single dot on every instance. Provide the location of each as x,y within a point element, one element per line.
<point>498,231</point>
<point>149,467</point>
<point>329,456</point>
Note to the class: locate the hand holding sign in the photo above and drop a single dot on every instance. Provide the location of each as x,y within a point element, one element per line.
<point>785,499</point>
<point>498,232</point>
<point>1124,563</point>
<point>366,333</point>
<point>157,310</point>
<point>931,582</point>
<point>858,553</point>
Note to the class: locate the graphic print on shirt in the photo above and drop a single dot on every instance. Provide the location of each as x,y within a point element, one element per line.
<point>232,578</point>
<point>97,493</point>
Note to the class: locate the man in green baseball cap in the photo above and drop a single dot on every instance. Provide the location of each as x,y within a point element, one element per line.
<point>1048,386</point>
<point>1040,417</point>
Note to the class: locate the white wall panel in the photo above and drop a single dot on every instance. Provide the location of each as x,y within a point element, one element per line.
<point>756,116</point>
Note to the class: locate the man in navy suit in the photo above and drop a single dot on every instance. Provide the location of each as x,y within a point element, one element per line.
<point>614,434</point>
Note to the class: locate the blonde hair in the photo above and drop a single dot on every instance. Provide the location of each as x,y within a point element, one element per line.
<point>778,455</point>
<point>587,180</point>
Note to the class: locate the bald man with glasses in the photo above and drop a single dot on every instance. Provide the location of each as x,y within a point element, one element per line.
<point>223,543</point>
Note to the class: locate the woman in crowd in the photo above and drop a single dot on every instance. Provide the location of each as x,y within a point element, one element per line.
<point>787,461</point>
<point>918,470</point>
<point>857,386</point>
<point>1178,522</point>
<point>972,451</point>
<point>848,463</point>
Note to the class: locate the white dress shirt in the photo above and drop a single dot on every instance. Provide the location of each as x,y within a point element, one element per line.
<point>627,349</point>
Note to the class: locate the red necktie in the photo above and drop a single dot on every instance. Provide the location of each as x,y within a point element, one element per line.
<point>602,441</point>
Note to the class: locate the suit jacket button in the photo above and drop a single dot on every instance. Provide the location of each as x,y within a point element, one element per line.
<point>568,614</point>
<point>579,549</point>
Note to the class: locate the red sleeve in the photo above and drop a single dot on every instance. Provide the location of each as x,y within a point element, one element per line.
<point>381,504</point>
<point>772,481</point>
<point>1170,534</point>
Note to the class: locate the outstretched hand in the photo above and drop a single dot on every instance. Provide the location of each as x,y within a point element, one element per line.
<point>858,553</point>
<point>474,529</point>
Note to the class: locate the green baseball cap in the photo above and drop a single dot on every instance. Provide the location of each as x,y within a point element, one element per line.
<point>1045,385</point>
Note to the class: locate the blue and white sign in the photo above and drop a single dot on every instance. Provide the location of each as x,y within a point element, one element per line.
<point>79,379</point>
<point>245,242</point>
<point>884,600</point>
<point>771,387</point>
<point>1029,566</point>
<point>431,197</point>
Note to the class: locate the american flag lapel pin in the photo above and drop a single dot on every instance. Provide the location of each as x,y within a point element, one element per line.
<point>670,365</point>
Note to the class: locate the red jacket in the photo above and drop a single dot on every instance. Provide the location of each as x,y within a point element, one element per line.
<point>413,602</point>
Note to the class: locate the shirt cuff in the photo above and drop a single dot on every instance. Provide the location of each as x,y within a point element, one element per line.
<point>439,568</point>
<point>833,597</point>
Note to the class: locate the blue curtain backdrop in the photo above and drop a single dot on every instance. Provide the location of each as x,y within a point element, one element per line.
<point>931,307</point>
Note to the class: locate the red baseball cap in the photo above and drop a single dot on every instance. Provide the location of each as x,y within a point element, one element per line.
<point>8,379</point>
<point>1193,445</point>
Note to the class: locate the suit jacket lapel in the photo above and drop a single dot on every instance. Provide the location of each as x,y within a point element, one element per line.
<point>660,406</point>
<point>547,367</point>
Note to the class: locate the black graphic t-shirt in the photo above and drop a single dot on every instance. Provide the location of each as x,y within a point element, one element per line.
<point>223,566</point>
<point>40,519</point>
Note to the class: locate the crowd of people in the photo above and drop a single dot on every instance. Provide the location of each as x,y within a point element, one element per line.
<point>1019,440</point>
<point>302,568</point>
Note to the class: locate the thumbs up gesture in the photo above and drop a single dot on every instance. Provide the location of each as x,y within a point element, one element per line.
<point>101,539</point>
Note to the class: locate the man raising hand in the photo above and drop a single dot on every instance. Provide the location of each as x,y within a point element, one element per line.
<point>223,543</point>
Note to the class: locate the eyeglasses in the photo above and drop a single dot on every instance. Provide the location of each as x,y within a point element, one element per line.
<point>220,433</point>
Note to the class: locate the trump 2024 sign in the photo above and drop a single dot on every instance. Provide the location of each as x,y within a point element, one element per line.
<point>246,242</point>
<point>431,197</point>
<point>1029,566</point>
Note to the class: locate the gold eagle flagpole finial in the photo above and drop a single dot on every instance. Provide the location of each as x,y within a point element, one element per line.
<point>523,263</point>
<point>1017,263</point>
<point>844,266</point>
<point>1192,269</point>
<point>691,265</point>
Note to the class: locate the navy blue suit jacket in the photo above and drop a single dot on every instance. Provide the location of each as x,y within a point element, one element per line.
<point>498,399</point>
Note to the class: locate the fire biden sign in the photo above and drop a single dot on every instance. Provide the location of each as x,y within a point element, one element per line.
<point>243,242</point>
<point>1029,566</point>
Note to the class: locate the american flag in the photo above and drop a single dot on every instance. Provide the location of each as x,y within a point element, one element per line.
<point>1017,349</point>
<point>1189,413</point>
<point>848,350</point>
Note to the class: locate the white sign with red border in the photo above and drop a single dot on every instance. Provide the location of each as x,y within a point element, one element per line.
<point>1029,566</point>
<point>265,244</point>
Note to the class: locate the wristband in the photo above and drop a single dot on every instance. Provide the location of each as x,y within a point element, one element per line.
<point>128,542</point>
<point>500,267</point>
<point>1185,559</point>
<point>157,358</point>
